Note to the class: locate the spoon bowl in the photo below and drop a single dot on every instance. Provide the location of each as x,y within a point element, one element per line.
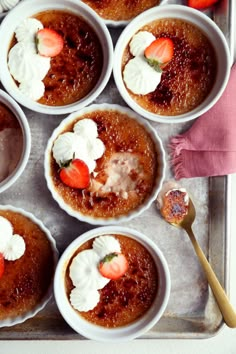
<point>222,300</point>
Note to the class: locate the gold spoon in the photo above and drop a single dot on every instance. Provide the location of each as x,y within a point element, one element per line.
<point>222,300</point>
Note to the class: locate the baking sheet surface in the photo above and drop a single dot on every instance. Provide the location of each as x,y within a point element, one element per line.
<point>191,312</point>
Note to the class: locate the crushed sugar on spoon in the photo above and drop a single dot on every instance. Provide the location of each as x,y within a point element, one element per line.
<point>177,208</point>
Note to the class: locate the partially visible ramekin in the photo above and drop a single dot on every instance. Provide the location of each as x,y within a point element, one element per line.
<point>7,101</point>
<point>212,32</point>
<point>159,173</point>
<point>129,331</point>
<point>26,9</point>
<point>48,294</point>
<point>119,23</point>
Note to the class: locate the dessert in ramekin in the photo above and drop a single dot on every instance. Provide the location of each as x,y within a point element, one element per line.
<point>171,64</point>
<point>56,57</point>
<point>112,284</point>
<point>116,13</point>
<point>104,164</point>
<point>15,141</point>
<point>28,258</point>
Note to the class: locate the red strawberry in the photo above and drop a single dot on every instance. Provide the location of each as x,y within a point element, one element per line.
<point>75,174</point>
<point>113,266</point>
<point>201,4</point>
<point>1,265</point>
<point>159,52</point>
<point>49,42</point>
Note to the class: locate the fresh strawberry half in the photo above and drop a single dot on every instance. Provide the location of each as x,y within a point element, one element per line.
<point>1,265</point>
<point>49,42</point>
<point>159,52</point>
<point>113,266</point>
<point>201,4</point>
<point>75,174</point>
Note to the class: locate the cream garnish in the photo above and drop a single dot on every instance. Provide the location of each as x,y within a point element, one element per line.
<point>25,31</point>
<point>11,246</point>
<point>140,41</point>
<point>138,75</point>
<point>26,66</point>
<point>81,144</point>
<point>85,275</point>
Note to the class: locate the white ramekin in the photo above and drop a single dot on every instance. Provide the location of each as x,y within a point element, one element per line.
<point>128,332</point>
<point>159,175</point>
<point>48,295</point>
<point>6,100</point>
<point>208,27</point>
<point>28,8</point>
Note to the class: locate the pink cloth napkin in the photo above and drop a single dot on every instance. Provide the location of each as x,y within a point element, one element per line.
<point>208,148</point>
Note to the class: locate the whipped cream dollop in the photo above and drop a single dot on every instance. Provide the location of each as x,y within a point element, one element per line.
<point>27,66</point>
<point>83,143</point>
<point>85,275</point>
<point>6,5</point>
<point>26,30</point>
<point>138,75</point>
<point>12,246</point>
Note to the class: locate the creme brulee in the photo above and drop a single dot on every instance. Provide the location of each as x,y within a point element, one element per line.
<point>76,70</point>
<point>189,76</point>
<point>125,300</point>
<point>124,176</point>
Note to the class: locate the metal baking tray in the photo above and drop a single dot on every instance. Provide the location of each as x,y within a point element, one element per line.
<point>192,311</point>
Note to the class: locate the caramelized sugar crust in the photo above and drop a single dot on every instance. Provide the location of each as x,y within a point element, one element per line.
<point>124,300</point>
<point>26,281</point>
<point>120,10</point>
<point>188,78</point>
<point>76,70</point>
<point>174,206</point>
<point>119,133</point>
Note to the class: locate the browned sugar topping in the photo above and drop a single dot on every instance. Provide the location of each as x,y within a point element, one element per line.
<point>188,78</point>
<point>120,10</point>
<point>128,298</point>
<point>76,70</point>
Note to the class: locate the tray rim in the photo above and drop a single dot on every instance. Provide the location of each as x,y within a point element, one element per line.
<point>226,276</point>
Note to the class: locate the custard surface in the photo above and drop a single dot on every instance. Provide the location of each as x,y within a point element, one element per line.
<point>127,299</point>
<point>122,134</point>
<point>190,75</point>
<point>76,70</point>
<point>26,280</point>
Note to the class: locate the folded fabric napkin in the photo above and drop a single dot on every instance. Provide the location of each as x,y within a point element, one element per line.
<point>208,148</point>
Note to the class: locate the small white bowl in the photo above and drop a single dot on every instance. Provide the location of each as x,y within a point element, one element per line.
<point>48,294</point>
<point>28,8</point>
<point>7,101</point>
<point>159,173</point>
<point>124,333</point>
<point>208,27</point>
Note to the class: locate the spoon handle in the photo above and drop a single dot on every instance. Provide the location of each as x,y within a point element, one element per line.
<point>222,300</point>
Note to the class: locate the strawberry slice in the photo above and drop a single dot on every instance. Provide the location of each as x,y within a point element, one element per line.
<point>75,174</point>
<point>201,4</point>
<point>1,265</point>
<point>113,266</point>
<point>49,43</point>
<point>159,52</point>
